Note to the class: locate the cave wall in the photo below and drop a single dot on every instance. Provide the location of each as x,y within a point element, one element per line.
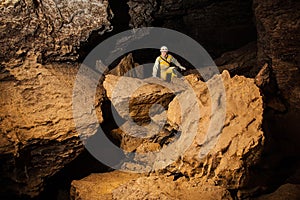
<point>219,26</point>
<point>37,133</point>
<point>38,64</point>
<point>52,28</point>
<point>278,44</point>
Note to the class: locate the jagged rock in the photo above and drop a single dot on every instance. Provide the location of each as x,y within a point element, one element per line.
<point>99,186</point>
<point>54,29</point>
<point>278,36</point>
<point>120,186</point>
<point>163,187</point>
<point>266,82</point>
<point>134,98</point>
<point>213,24</point>
<point>126,67</point>
<point>286,191</point>
<point>239,142</point>
<point>38,135</point>
<point>242,61</point>
<point>141,12</point>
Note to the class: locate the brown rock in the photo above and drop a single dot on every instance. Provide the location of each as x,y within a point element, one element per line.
<point>37,131</point>
<point>222,153</point>
<point>126,67</point>
<point>99,186</point>
<point>135,98</point>
<point>278,44</point>
<point>54,29</point>
<point>122,186</point>
<point>226,157</point>
<point>163,187</point>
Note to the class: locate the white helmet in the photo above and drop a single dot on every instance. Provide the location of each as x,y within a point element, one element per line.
<point>164,48</point>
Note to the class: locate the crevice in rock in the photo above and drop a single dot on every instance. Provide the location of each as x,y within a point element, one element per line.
<point>110,116</point>
<point>233,194</point>
<point>58,186</point>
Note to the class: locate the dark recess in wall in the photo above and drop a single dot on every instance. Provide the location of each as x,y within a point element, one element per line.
<point>120,23</point>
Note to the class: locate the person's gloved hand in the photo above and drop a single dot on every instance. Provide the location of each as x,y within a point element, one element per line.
<point>182,68</point>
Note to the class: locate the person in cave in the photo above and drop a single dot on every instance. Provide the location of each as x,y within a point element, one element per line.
<point>167,65</point>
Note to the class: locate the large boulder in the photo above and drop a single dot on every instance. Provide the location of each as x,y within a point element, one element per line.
<point>38,135</point>
<point>229,154</point>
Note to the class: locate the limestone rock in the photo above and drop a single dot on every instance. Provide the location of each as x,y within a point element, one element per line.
<point>163,187</point>
<point>225,157</point>
<point>54,29</point>
<point>99,186</point>
<point>278,39</point>
<point>126,67</point>
<point>38,135</point>
<point>134,98</point>
<point>120,186</point>
<point>141,12</point>
<point>239,142</point>
<point>37,131</point>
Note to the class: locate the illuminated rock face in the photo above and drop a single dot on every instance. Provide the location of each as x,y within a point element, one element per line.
<point>37,131</point>
<point>228,157</point>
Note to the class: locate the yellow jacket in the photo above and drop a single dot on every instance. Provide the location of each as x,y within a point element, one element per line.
<point>163,65</point>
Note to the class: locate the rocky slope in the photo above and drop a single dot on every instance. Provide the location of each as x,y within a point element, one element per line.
<point>223,160</point>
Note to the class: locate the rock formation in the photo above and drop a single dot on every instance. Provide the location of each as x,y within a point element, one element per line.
<point>37,131</point>
<point>278,38</point>
<point>227,157</point>
<point>278,50</point>
<point>116,185</point>
<point>213,24</point>
<point>254,151</point>
<point>53,29</point>
<point>38,136</point>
